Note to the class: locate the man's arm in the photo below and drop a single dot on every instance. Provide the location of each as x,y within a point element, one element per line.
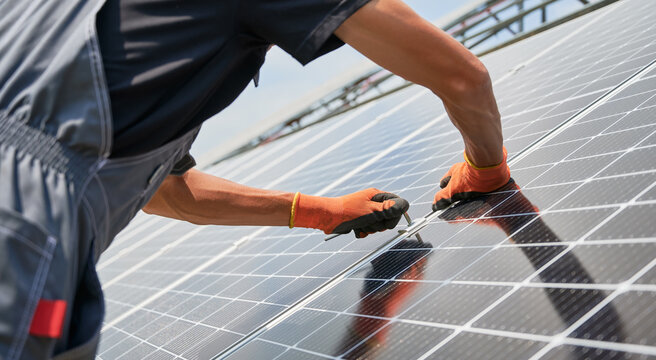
<point>204,199</point>
<point>391,34</point>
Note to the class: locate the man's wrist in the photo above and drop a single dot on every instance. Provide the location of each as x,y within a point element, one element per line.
<point>294,208</point>
<point>317,212</point>
<point>481,156</point>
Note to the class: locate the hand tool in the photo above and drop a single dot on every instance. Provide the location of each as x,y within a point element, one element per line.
<point>405,215</point>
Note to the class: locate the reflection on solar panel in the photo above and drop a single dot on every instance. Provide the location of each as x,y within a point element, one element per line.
<point>559,265</point>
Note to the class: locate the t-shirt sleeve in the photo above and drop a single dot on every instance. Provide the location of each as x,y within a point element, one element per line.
<point>303,28</point>
<point>187,162</point>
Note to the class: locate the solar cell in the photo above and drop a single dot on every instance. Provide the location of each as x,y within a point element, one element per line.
<point>473,287</point>
<point>469,345</point>
<point>578,352</point>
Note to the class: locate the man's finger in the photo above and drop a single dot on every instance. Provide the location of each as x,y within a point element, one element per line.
<point>400,206</point>
<point>382,196</point>
<point>442,204</point>
<point>391,223</point>
<point>374,228</point>
<point>445,181</point>
<point>447,177</point>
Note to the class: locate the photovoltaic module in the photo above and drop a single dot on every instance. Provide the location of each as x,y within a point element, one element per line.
<point>560,264</point>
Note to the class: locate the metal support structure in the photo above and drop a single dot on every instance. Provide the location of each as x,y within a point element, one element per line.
<point>485,34</point>
<point>520,23</point>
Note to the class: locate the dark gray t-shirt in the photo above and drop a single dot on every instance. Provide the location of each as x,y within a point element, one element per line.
<point>170,65</point>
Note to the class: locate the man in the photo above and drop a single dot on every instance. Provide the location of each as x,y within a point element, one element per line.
<point>100,101</point>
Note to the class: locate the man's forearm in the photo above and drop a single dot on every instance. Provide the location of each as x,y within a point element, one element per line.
<point>391,34</point>
<point>209,200</point>
<point>480,127</point>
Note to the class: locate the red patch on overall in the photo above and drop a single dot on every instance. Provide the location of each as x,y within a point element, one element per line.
<point>48,318</point>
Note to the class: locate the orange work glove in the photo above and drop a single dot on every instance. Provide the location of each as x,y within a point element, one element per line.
<point>365,212</point>
<point>465,181</point>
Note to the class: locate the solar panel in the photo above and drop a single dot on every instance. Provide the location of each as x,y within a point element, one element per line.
<point>537,273</point>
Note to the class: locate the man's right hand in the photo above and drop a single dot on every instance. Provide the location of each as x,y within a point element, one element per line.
<point>466,181</point>
<point>365,212</point>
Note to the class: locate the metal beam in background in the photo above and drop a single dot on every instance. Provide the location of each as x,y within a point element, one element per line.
<point>520,23</point>
<point>490,15</point>
<point>469,11</point>
<point>494,29</point>
<point>588,9</point>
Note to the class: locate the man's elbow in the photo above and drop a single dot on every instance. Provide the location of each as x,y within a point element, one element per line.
<point>167,200</point>
<point>166,210</point>
<point>148,210</point>
<point>157,206</point>
<point>468,87</point>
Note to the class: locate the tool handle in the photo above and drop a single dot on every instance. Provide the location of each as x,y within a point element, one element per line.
<point>332,236</point>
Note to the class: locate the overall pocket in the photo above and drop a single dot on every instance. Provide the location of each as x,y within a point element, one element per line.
<point>26,251</point>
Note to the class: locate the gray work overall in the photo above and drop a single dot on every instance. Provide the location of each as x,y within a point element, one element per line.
<point>62,200</point>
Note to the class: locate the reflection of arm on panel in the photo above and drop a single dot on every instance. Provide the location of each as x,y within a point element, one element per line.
<point>532,229</point>
<point>400,267</point>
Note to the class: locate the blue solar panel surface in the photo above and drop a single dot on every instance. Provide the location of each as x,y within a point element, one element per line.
<point>559,265</point>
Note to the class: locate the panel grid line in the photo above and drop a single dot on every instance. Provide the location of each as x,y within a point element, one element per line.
<point>265,260</point>
<point>569,247</point>
<point>327,286</point>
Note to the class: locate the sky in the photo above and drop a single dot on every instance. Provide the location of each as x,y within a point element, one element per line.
<point>283,81</point>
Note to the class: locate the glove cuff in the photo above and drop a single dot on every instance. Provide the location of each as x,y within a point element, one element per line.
<point>316,212</point>
<point>489,178</point>
<point>473,166</point>
<point>292,216</point>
